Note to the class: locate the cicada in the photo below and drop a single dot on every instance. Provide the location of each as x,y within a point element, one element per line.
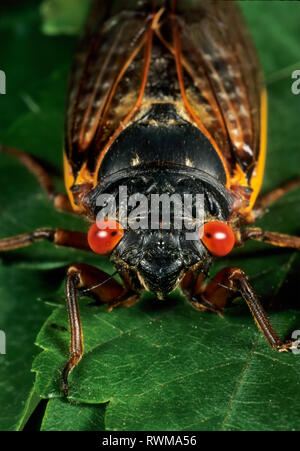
<point>165,98</point>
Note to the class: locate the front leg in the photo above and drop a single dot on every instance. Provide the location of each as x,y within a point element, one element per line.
<point>208,296</point>
<point>228,283</point>
<point>82,278</point>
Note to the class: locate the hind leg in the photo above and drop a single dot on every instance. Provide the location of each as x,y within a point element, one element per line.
<point>269,198</point>
<point>60,201</point>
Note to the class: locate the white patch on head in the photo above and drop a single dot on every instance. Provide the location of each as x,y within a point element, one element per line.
<point>135,161</point>
<point>189,163</point>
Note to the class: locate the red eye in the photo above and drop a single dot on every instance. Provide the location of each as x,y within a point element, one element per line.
<point>104,235</point>
<point>217,237</point>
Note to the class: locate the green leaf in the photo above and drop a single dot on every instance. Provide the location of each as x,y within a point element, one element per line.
<point>21,318</point>
<point>192,367</point>
<point>158,365</point>
<point>62,415</point>
<point>65,16</point>
<point>32,403</point>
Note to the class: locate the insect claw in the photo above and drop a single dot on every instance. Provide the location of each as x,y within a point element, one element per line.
<point>64,382</point>
<point>65,388</point>
<point>66,392</point>
<point>289,345</point>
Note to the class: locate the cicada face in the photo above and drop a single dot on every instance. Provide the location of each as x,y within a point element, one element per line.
<point>161,238</point>
<point>160,258</point>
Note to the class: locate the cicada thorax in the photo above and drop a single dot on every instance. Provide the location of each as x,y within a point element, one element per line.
<point>162,137</point>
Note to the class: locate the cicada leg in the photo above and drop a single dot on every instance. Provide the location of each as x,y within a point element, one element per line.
<point>79,276</point>
<point>231,282</point>
<point>82,276</point>
<point>274,238</point>
<point>207,296</point>
<point>277,239</point>
<point>269,198</point>
<point>59,237</point>
<point>60,201</point>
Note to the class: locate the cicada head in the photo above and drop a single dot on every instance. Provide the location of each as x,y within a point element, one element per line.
<point>157,230</point>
